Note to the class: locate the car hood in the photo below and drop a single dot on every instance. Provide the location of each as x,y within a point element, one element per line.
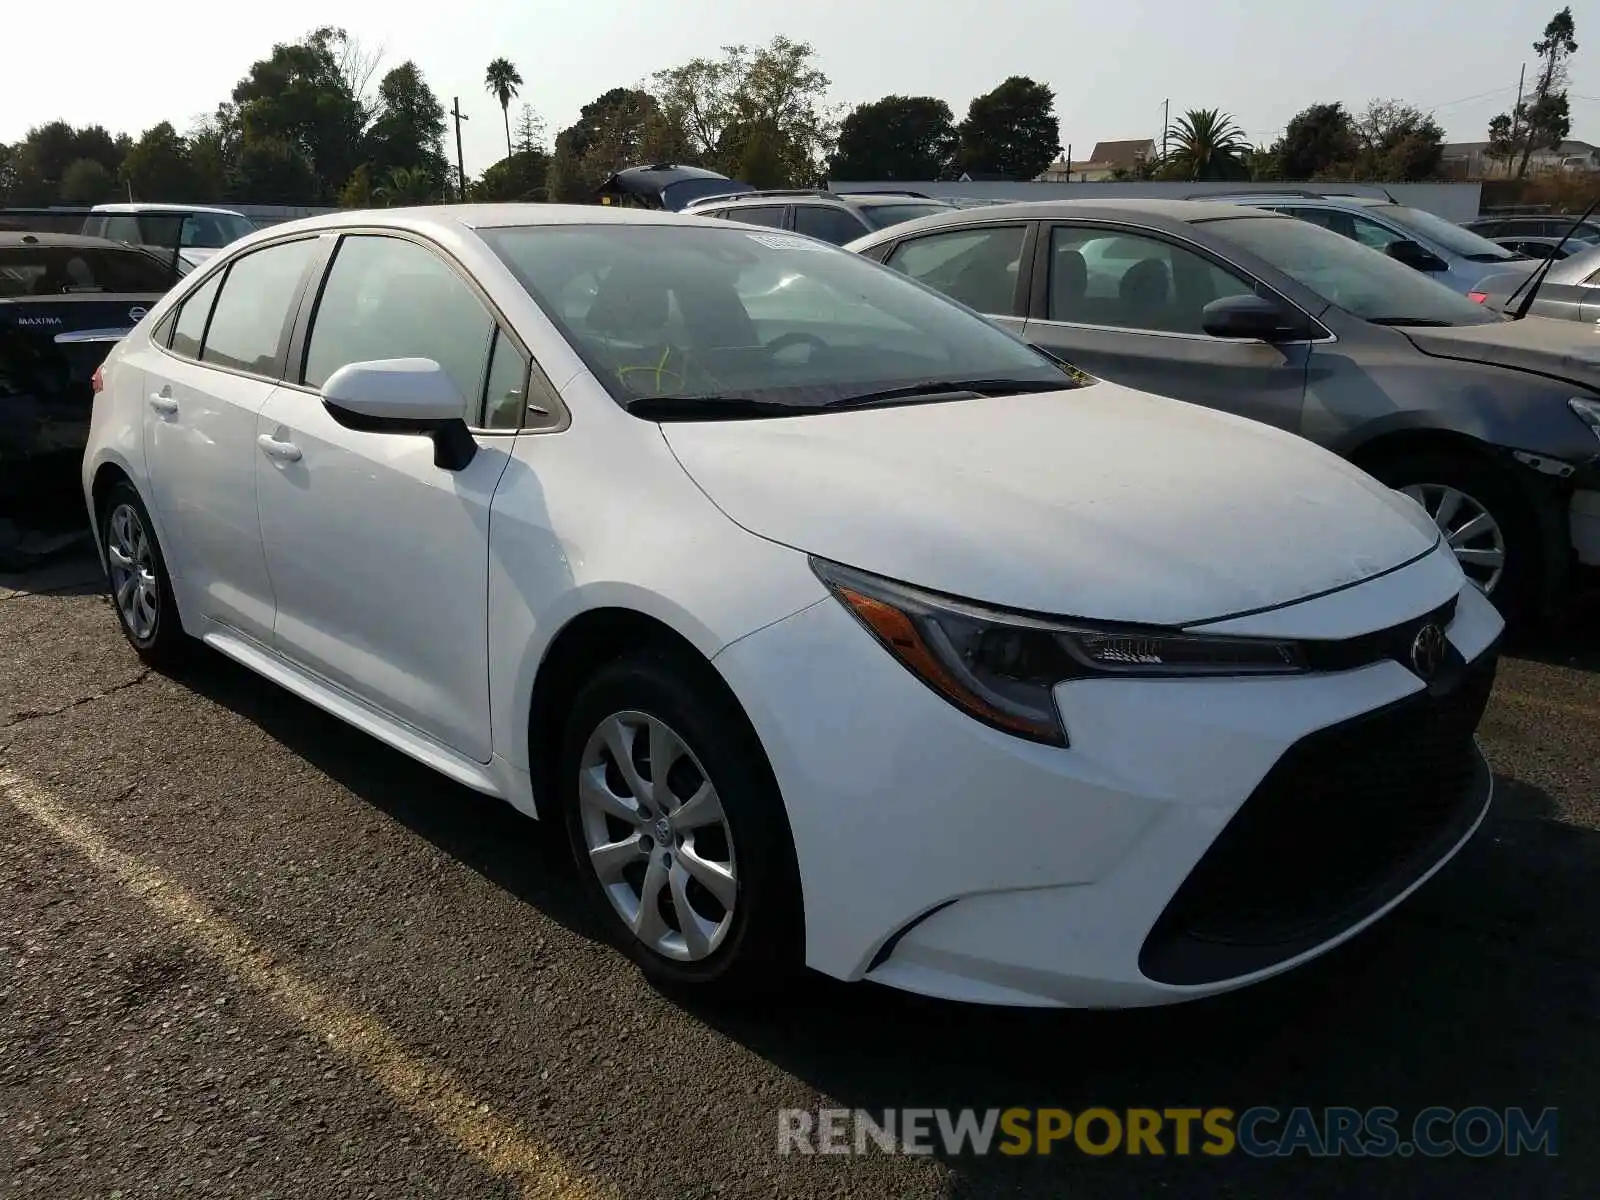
<point>1565,349</point>
<point>1102,502</point>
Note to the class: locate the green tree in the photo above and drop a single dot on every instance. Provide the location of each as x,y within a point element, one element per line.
<point>214,144</point>
<point>40,161</point>
<point>1317,140</point>
<point>272,170</point>
<point>709,109</point>
<point>158,166</point>
<point>409,129</point>
<point>1011,131</point>
<point>502,81</point>
<point>407,186</point>
<point>1397,141</point>
<point>304,95</point>
<point>898,137</point>
<point>1207,145</point>
<point>357,191</point>
<point>87,182</point>
<point>1542,120</point>
<point>619,129</point>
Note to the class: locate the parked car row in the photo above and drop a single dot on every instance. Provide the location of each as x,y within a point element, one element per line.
<point>835,623</point>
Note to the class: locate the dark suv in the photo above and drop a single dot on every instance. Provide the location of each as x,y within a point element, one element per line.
<point>836,217</point>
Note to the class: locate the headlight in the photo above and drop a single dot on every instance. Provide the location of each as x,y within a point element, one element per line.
<point>1588,412</point>
<point>1002,667</point>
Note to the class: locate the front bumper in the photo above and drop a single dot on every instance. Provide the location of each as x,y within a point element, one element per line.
<point>944,857</point>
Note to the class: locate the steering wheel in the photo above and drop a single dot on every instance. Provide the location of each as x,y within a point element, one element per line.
<point>787,340</point>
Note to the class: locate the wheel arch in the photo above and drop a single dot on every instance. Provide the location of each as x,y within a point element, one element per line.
<point>587,641</point>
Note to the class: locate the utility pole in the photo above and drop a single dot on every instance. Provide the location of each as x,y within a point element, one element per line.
<point>461,171</point>
<point>1069,162</point>
<point>1166,120</point>
<point>1516,115</point>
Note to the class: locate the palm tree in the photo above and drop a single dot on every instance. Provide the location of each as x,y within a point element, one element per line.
<point>1208,144</point>
<point>407,186</point>
<point>502,81</point>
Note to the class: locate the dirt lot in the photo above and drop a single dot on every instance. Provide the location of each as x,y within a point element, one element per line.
<point>246,951</point>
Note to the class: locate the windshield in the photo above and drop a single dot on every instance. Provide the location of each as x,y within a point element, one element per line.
<point>676,195</point>
<point>676,310</point>
<point>42,270</point>
<point>881,216</point>
<point>1444,233</point>
<point>212,231</point>
<point>1361,281</point>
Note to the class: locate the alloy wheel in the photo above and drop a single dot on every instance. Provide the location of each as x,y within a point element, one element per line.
<point>1474,535</point>
<point>656,835</point>
<point>133,573</point>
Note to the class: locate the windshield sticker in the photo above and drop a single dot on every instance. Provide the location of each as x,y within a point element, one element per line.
<point>783,241</point>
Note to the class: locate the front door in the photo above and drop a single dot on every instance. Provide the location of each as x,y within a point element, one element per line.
<point>379,559</point>
<point>1126,305</point>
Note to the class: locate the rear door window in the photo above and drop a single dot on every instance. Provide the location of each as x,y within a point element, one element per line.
<point>757,214</point>
<point>975,266</point>
<point>251,319</point>
<point>190,331</point>
<point>831,224</point>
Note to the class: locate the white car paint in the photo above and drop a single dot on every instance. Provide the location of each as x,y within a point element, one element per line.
<point>418,604</point>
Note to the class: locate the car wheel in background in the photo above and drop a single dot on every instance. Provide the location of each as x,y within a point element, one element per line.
<point>1484,517</point>
<point>141,592</point>
<point>678,829</point>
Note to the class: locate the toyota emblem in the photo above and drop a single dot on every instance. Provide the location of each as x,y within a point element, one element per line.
<point>1428,649</point>
<point>136,313</point>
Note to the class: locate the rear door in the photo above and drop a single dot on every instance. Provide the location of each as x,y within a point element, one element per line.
<point>203,392</point>
<point>1125,304</point>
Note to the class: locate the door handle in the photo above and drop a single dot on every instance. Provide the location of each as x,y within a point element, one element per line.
<point>163,403</point>
<point>282,451</point>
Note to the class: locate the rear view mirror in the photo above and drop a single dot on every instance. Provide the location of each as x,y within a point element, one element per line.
<point>1413,255</point>
<point>1246,317</point>
<point>403,396</point>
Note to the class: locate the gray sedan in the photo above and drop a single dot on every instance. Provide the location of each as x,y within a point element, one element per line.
<point>1570,292</point>
<point>1492,425</point>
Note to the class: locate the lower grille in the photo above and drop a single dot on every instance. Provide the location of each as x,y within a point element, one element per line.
<point>1346,820</point>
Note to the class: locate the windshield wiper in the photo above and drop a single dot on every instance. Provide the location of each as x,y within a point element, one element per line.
<point>697,408</point>
<point>1410,322</point>
<point>965,389</point>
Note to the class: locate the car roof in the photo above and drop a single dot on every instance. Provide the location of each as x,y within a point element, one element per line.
<point>126,207</point>
<point>1156,211</point>
<point>457,217</point>
<point>10,238</point>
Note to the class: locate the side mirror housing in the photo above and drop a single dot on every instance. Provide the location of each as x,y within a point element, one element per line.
<point>403,396</point>
<point>1248,318</point>
<point>1413,255</point>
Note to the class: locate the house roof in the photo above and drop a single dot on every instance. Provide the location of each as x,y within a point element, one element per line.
<point>1124,153</point>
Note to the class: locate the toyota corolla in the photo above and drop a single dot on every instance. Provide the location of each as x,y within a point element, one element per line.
<point>837,627</point>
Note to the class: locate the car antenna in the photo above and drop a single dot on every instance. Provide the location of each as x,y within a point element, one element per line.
<point>1533,281</point>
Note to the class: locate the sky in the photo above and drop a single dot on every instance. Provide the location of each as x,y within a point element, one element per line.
<point>1111,65</point>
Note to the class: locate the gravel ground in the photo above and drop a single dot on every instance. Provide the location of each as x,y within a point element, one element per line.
<point>246,951</point>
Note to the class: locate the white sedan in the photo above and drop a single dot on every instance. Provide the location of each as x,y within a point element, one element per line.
<point>839,627</point>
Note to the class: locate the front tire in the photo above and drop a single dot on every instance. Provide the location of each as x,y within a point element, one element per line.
<point>678,829</point>
<point>1487,520</point>
<point>141,590</point>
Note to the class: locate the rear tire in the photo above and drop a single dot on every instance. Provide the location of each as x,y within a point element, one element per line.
<point>1505,555</point>
<point>647,852</point>
<point>141,590</point>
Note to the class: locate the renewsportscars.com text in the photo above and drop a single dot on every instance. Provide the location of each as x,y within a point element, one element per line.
<point>1259,1132</point>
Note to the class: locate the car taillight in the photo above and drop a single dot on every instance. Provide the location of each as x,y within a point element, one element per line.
<point>1478,297</point>
<point>97,381</point>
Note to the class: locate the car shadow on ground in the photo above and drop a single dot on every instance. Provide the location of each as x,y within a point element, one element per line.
<point>1571,639</point>
<point>1483,989</point>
